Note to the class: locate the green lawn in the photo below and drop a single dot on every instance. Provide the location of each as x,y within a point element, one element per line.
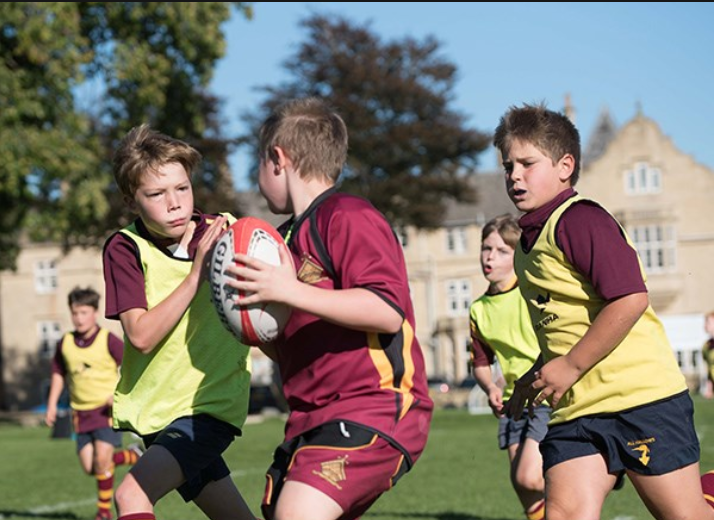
<point>461,476</point>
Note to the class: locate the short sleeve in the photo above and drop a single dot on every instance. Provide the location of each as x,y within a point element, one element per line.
<point>595,244</point>
<point>366,253</point>
<point>123,277</point>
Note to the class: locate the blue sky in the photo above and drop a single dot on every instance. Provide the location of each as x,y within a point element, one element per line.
<point>618,56</point>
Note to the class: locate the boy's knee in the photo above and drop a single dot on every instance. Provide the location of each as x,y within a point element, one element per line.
<point>129,496</point>
<point>524,481</point>
<point>102,467</point>
<point>120,495</point>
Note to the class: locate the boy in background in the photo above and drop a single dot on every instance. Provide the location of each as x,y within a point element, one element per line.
<point>88,359</point>
<point>708,354</point>
<point>185,379</point>
<point>619,399</point>
<point>352,369</point>
<point>501,329</point>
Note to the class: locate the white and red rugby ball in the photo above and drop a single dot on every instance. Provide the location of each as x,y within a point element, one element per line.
<point>255,324</point>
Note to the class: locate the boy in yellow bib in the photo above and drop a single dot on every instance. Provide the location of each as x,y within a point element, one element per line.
<point>619,399</point>
<point>88,359</point>
<point>501,329</point>
<point>185,379</point>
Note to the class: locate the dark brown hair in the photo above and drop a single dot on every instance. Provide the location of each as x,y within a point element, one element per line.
<point>79,296</point>
<point>551,132</point>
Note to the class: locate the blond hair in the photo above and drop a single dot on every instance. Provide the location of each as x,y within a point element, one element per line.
<point>145,150</point>
<point>506,226</point>
<point>310,133</point>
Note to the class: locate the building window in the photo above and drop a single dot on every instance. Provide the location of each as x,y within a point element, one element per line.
<point>656,247</point>
<point>456,240</point>
<point>643,179</point>
<point>48,334</point>
<point>45,277</point>
<point>458,297</point>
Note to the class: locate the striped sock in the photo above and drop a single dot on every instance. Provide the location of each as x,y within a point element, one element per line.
<point>708,487</point>
<point>105,492</point>
<point>537,512</point>
<point>125,457</point>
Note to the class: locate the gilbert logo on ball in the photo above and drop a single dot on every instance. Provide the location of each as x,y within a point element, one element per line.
<point>252,324</point>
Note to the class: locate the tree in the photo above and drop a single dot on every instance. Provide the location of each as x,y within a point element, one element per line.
<point>146,62</point>
<point>74,78</point>
<point>409,152</point>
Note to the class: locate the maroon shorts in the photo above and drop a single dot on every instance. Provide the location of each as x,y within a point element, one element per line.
<point>350,464</point>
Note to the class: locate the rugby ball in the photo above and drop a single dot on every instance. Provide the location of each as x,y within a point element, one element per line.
<point>252,324</point>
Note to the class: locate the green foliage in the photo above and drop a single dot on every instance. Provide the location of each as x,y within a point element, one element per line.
<point>74,78</point>
<point>42,52</point>
<point>409,151</point>
<point>462,474</point>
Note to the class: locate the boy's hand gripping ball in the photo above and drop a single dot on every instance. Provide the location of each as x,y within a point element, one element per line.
<point>252,324</point>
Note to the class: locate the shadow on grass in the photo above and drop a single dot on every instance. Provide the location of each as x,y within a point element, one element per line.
<point>8,513</point>
<point>446,515</point>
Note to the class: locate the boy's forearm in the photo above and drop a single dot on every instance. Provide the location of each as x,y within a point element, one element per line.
<point>147,328</point>
<point>56,387</point>
<point>483,378</point>
<point>609,328</point>
<point>356,308</point>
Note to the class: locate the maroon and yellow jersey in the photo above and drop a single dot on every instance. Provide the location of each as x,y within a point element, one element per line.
<point>330,372</point>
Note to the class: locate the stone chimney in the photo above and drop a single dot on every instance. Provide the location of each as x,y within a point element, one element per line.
<point>569,110</point>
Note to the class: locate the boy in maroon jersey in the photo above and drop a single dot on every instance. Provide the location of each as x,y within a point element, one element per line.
<point>87,359</point>
<point>352,369</point>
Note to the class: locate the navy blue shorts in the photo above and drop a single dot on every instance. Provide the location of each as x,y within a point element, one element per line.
<point>197,443</point>
<point>653,439</point>
<point>107,435</point>
<point>512,432</point>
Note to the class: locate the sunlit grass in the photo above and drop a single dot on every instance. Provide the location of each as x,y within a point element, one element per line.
<point>461,476</point>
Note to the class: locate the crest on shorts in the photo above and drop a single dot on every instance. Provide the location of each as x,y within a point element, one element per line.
<point>645,453</point>
<point>310,271</point>
<point>641,445</point>
<point>333,471</point>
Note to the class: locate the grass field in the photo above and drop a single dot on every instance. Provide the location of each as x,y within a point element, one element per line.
<point>461,476</point>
